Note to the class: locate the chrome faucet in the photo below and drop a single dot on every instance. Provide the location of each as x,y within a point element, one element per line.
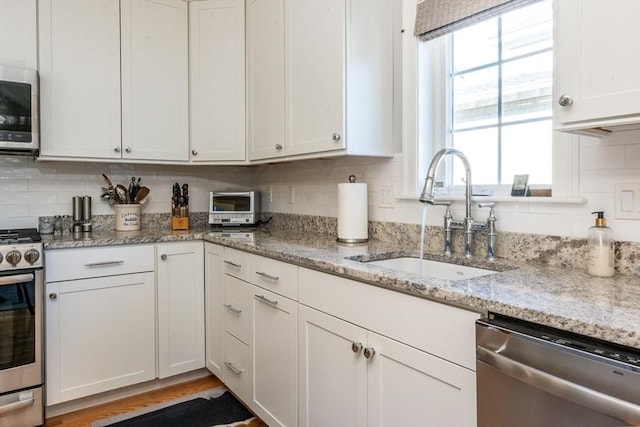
<point>467,224</point>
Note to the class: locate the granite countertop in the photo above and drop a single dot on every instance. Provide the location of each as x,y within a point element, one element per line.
<point>605,308</point>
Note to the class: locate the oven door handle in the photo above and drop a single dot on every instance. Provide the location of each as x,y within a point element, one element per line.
<point>595,400</point>
<point>16,279</point>
<point>14,406</point>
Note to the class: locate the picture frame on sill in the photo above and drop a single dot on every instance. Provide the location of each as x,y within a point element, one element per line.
<point>519,187</point>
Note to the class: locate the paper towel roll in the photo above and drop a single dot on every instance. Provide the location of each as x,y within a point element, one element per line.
<point>353,218</point>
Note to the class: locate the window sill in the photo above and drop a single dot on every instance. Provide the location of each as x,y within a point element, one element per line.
<point>506,199</point>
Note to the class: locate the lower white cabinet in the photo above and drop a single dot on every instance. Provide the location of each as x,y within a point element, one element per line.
<point>181,335</point>
<point>100,335</point>
<point>214,311</point>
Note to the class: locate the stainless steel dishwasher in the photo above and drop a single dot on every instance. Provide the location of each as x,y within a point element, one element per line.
<point>529,375</point>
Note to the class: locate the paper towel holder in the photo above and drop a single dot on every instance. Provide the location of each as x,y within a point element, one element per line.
<point>349,237</point>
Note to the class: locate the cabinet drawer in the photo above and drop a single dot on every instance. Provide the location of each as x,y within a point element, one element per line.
<point>237,375</point>
<point>237,308</point>
<point>235,263</point>
<point>276,276</point>
<point>82,263</point>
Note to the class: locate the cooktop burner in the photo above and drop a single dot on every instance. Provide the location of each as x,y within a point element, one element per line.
<point>19,235</point>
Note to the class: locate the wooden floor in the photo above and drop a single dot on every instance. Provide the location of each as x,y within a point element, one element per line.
<point>86,416</point>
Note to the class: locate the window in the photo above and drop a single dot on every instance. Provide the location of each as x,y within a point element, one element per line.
<point>497,78</point>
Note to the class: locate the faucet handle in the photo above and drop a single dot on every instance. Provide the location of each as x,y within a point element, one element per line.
<point>434,203</point>
<point>490,205</point>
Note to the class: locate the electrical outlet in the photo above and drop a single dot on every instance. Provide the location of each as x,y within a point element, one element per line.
<point>628,200</point>
<point>386,196</point>
<point>291,194</point>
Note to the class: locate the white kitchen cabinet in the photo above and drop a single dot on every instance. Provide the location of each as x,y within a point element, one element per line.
<point>274,350</point>
<point>217,79</point>
<point>597,65</point>
<point>214,311</point>
<point>114,79</point>
<point>155,79</point>
<point>100,320</point>
<point>18,32</point>
<point>181,307</point>
<point>320,77</point>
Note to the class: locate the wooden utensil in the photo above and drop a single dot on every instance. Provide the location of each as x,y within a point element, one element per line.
<point>141,195</point>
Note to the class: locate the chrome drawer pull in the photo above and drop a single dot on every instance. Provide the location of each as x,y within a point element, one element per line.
<point>233,368</point>
<point>233,264</point>
<point>267,276</point>
<point>265,300</point>
<point>103,264</point>
<point>232,309</point>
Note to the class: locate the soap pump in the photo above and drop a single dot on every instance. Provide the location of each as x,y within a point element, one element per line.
<point>601,251</point>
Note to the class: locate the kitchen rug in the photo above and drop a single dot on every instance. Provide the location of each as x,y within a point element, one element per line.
<point>215,407</point>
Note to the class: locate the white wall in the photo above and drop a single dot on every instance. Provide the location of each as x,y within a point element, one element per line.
<point>29,189</point>
<point>603,163</point>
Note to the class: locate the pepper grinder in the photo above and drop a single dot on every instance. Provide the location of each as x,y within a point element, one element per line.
<point>86,214</point>
<point>77,214</point>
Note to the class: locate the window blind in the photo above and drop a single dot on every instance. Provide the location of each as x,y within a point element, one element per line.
<point>435,18</point>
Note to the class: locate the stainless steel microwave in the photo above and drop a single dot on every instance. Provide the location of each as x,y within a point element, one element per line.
<point>234,207</point>
<point>19,128</point>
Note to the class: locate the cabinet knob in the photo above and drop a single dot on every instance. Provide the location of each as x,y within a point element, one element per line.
<point>565,100</point>
<point>53,296</point>
<point>194,152</point>
<point>356,347</point>
<point>369,352</point>
<point>127,149</point>
<point>163,257</point>
<point>116,149</point>
<point>278,147</point>
<point>335,137</point>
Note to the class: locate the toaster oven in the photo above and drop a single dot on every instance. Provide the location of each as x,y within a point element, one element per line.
<point>234,208</point>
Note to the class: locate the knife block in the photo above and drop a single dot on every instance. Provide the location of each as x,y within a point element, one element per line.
<point>180,222</point>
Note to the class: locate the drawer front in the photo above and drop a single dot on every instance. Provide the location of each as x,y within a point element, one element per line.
<point>83,263</point>
<point>235,263</point>
<point>237,308</point>
<point>275,276</point>
<point>237,374</point>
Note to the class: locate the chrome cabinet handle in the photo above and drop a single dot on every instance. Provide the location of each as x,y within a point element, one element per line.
<point>356,347</point>
<point>565,100</point>
<point>163,257</point>
<point>265,300</point>
<point>278,147</point>
<point>53,296</point>
<point>232,308</point>
<point>233,264</point>
<point>103,264</point>
<point>369,352</point>
<point>194,152</point>
<point>335,137</point>
<point>127,149</point>
<point>233,368</point>
<point>116,149</point>
<point>268,276</point>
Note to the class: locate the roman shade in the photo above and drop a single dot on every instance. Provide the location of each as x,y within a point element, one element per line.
<point>435,18</point>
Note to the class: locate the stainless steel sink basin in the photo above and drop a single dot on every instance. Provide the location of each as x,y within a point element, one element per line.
<point>430,268</point>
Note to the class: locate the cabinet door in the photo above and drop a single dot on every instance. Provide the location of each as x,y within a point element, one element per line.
<point>265,78</point>
<point>599,69</point>
<point>274,352</point>
<point>79,54</point>
<point>332,377</point>
<point>409,387</point>
<point>18,32</point>
<point>214,314</point>
<point>180,308</point>
<point>100,335</point>
<point>155,79</point>
<point>217,78</point>
<point>315,75</point>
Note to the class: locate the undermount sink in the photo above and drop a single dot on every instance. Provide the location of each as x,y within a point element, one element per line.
<point>430,268</point>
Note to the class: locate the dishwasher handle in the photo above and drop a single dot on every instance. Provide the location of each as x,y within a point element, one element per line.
<point>605,404</point>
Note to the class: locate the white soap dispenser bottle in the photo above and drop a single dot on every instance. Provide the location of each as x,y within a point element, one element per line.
<point>601,248</point>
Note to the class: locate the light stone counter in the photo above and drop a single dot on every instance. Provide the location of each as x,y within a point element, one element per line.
<point>605,308</point>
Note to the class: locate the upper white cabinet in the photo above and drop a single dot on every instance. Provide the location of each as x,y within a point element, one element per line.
<point>320,77</point>
<point>597,65</point>
<point>18,33</point>
<point>114,79</point>
<point>217,79</point>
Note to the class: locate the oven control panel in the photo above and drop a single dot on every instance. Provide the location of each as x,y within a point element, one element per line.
<point>20,256</point>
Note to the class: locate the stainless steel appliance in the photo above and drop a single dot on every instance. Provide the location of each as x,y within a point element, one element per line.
<point>234,207</point>
<point>19,128</point>
<point>21,323</point>
<point>529,375</point>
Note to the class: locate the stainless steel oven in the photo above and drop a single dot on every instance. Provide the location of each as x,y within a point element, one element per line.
<point>21,329</point>
<point>531,376</point>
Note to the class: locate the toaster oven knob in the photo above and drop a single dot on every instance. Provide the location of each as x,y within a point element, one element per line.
<point>32,255</point>
<point>13,257</point>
